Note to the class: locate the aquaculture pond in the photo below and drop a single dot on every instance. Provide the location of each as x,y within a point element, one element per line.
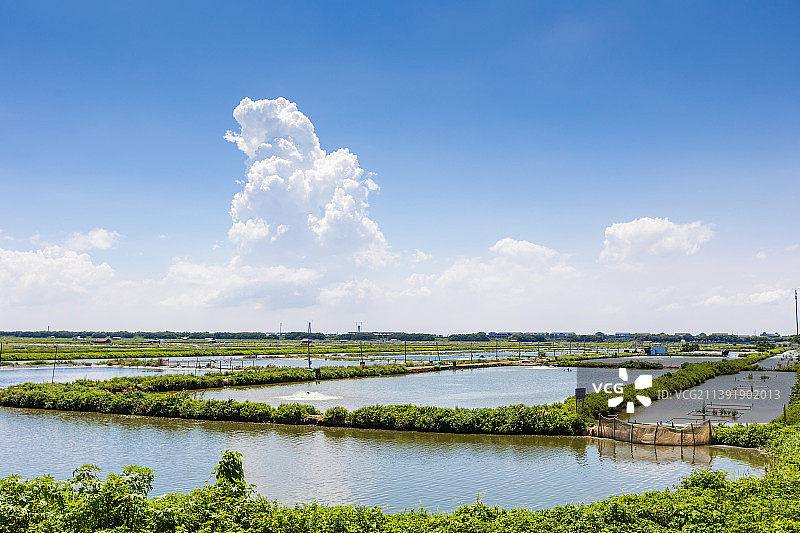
<point>395,470</point>
<point>12,375</point>
<point>745,398</point>
<point>480,387</point>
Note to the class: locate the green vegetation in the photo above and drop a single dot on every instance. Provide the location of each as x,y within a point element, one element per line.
<point>764,346</point>
<point>511,420</point>
<point>156,362</point>
<point>636,365</point>
<point>83,396</point>
<point>80,397</point>
<point>252,376</point>
<point>690,347</point>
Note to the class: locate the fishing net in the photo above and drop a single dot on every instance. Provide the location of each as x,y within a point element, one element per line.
<point>689,435</point>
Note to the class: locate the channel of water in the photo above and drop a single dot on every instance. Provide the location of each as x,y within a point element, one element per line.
<point>396,470</point>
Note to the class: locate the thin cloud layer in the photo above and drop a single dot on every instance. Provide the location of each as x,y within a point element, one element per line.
<point>300,203</point>
<point>236,283</point>
<point>516,267</point>
<point>98,238</point>
<point>653,236</point>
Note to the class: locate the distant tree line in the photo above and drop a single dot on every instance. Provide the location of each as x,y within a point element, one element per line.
<point>480,336</point>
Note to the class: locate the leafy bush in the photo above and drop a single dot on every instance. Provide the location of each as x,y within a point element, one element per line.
<point>745,436</point>
<point>514,419</point>
<point>704,479</point>
<point>335,416</point>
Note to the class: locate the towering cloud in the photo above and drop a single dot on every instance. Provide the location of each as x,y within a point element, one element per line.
<point>299,202</point>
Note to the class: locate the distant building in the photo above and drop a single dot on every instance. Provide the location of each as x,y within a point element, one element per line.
<point>101,340</point>
<point>655,350</point>
<point>501,334</point>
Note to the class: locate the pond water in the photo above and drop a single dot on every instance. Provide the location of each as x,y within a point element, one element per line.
<point>745,398</point>
<point>481,387</point>
<point>396,470</point>
<point>12,375</point>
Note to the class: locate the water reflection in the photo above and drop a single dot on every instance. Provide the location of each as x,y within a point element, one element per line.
<point>396,470</point>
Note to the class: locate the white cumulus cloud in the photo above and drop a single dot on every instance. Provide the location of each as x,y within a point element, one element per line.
<point>653,236</point>
<point>771,297</point>
<point>41,276</point>
<point>98,238</point>
<point>300,202</point>
<point>515,267</point>
<point>419,256</point>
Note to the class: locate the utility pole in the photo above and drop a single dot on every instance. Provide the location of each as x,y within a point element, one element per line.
<point>53,378</point>
<point>796,323</point>
<point>308,345</point>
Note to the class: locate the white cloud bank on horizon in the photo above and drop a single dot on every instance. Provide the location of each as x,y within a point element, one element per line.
<point>53,273</point>
<point>514,272</point>
<point>653,236</point>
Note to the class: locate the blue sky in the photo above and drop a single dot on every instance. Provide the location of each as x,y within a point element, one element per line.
<point>641,160</point>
